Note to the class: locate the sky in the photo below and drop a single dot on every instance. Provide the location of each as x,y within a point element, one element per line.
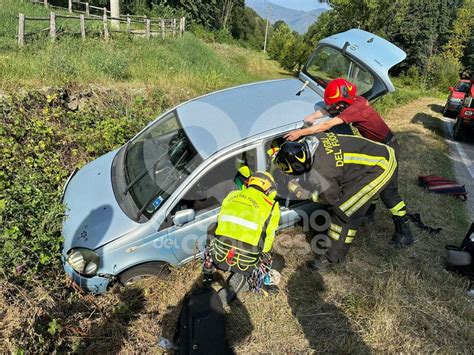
<point>304,5</point>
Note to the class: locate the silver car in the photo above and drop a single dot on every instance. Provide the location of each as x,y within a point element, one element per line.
<point>149,204</point>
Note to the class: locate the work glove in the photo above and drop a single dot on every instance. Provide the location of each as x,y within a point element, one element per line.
<point>301,193</point>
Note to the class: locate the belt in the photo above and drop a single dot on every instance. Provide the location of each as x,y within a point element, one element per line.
<point>389,138</point>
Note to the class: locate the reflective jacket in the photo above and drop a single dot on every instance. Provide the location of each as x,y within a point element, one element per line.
<point>348,171</point>
<point>247,216</point>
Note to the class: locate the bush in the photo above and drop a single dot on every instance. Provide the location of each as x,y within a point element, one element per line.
<point>442,72</point>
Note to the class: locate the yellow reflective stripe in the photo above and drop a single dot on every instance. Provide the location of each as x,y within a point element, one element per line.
<point>335,228</point>
<point>352,233</point>
<point>400,213</point>
<point>367,192</point>
<point>364,159</point>
<point>334,235</point>
<point>398,207</point>
<point>349,240</point>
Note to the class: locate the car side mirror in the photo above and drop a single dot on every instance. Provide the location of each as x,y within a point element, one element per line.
<point>183,217</point>
<point>451,88</point>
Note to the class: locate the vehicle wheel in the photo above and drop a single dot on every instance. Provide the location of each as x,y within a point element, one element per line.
<point>459,258</point>
<point>144,271</point>
<point>458,133</point>
<point>446,111</point>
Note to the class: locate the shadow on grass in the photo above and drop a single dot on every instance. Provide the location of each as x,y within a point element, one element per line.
<point>109,335</point>
<point>325,326</point>
<point>429,122</point>
<point>238,323</point>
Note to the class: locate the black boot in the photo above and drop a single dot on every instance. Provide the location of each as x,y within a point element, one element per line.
<point>402,236</point>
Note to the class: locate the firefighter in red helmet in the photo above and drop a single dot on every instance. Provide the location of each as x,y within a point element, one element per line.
<point>344,106</point>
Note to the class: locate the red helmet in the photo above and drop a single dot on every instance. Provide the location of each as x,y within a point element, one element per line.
<point>339,90</point>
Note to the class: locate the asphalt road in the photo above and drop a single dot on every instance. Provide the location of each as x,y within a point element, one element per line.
<point>462,154</point>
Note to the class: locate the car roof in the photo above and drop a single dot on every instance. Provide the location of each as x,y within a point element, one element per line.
<point>223,118</point>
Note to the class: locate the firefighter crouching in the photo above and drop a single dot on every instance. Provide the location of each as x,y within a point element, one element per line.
<point>243,240</point>
<point>347,173</point>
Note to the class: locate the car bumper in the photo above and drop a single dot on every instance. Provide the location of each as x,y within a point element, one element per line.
<point>454,106</point>
<point>96,285</point>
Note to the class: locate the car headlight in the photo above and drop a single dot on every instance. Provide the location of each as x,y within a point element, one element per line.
<point>455,100</point>
<point>469,113</point>
<point>84,261</point>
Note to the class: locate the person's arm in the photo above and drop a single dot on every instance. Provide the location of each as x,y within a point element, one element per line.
<point>322,127</point>
<point>271,228</point>
<point>315,115</point>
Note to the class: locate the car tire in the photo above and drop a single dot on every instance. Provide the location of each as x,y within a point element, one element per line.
<point>144,271</point>
<point>458,132</point>
<point>459,258</point>
<point>446,112</point>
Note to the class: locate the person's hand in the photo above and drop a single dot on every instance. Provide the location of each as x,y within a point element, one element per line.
<point>295,188</point>
<point>310,119</point>
<point>293,135</point>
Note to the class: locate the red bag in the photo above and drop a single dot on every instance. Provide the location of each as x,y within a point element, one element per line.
<point>441,185</point>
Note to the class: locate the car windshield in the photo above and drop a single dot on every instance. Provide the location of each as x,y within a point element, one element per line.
<point>328,63</point>
<point>156,162</point>
<point>462,87</point>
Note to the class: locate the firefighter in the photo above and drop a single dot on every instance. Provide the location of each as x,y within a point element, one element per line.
<point>347,173</point>
<point>243,240</point>
<point>342,102</point>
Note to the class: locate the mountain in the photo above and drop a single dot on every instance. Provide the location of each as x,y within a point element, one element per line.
<point>298,21</point>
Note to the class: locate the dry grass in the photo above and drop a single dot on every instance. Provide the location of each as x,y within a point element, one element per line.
<point>385,300</point>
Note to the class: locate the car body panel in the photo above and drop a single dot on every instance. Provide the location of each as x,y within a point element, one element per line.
<point>93,215</point>
<point>215,121</point>
<point>376,53</point>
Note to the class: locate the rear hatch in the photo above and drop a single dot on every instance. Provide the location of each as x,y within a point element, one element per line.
<point>359,56</point>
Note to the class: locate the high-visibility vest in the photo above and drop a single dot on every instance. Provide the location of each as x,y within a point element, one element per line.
<point>243,216</point>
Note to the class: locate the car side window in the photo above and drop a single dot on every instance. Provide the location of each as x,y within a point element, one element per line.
<point>210,190</point>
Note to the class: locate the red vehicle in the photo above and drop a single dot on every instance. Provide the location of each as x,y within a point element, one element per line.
<point>465,117</point>
<point>456,98</point>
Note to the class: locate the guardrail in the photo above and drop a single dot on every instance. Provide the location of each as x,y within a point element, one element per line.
<point>165,26</point>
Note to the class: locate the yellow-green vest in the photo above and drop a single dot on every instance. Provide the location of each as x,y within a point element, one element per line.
<point>243,216</point>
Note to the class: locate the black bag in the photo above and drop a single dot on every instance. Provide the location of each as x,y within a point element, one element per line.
<point>201,325</point>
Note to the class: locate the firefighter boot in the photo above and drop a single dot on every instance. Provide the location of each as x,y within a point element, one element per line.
<point>402,236</point>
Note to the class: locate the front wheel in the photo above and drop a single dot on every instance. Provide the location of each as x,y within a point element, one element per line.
<point>458,132</point>
<point>144,271</point>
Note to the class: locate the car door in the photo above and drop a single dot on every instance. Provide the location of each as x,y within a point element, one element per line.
<point>200,203</point>
<point>356,55</point>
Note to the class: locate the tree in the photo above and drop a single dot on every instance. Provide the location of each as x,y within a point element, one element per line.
<point>461,34</point>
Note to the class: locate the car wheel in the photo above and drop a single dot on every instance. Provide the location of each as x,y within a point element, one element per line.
<point>144,271</point>
<point>458,133</point>
<point>445,110</point>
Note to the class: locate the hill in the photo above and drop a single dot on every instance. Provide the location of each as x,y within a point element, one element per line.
<point>298,21</point>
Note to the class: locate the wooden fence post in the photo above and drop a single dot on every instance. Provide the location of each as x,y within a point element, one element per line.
<point>69,6</point>
<point>148,28</point>
<point>87,9</point>
<point>181,26</point>
<point>45,3</point>
<point>21,30</point>
<point>174,27</point>
<point>83,26</point>
<point>106,26</point>
<point>52,26</point>
<point>184,24</point>
<point>162,25</point>
<point>129,24</point>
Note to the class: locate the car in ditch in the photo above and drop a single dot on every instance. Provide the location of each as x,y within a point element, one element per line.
<point>148,204</point>
<point>456,98</point>
<point>465,118</point>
